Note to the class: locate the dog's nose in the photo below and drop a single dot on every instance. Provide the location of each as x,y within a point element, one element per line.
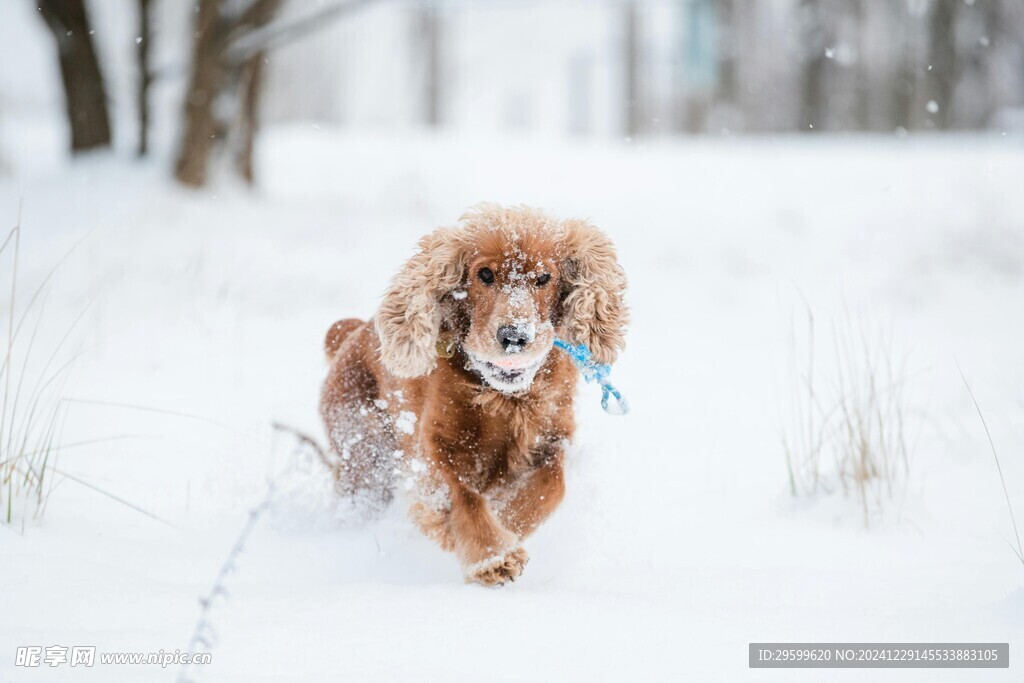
<point>513,337</point>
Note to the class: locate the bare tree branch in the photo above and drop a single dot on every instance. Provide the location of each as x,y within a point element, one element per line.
<point>278,33</point>
<point>145,74</point>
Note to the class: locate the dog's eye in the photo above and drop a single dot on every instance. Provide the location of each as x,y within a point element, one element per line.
<point>543,279</point>
<point>486,276</point>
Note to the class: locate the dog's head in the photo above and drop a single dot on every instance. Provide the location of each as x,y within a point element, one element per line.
<point>504,284</point>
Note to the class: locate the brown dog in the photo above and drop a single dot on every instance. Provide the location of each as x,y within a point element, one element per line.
<point>453,392</point>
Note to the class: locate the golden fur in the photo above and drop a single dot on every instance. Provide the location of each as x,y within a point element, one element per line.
<point>453,392</point>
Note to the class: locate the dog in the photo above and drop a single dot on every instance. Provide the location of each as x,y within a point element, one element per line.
<point>453,392</point>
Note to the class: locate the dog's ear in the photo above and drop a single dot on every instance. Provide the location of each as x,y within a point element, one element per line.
<point>593,284</point>
<point>409,317</point>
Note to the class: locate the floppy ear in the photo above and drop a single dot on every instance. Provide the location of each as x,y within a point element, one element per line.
<point>409,317</point>
<point>593,284</point>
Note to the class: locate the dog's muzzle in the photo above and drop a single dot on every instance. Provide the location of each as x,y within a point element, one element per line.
<point>514,338</point>
<point>510,375</point>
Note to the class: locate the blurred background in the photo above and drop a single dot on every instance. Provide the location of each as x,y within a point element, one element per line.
<point>196,80</point>
<point>817,202</point>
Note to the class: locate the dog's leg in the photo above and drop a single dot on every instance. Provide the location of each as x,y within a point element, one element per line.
<point>535,500</point>
<point>359,428</point>
<point>364,465</point>
<point>489,553</point>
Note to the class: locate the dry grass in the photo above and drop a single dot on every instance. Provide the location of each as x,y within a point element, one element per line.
<point>1018,550</point>
<point>31,381</point>
<point>34,405</point>
<point>847,427</point>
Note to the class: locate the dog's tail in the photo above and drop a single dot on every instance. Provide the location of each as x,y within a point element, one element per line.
<point>336,335</point>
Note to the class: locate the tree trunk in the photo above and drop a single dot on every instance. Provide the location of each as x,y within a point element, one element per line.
<point>942,58</point>
<point>812,95</point>
<point>862,72</point>
<point>631,70</point>
<point>222,100</point>
<point>904,78</point>
<point>252,79</point>
<point>813,109</point>
<point>728,79</point>
<point>84,95</point>
<point>205,83</point>
<point>145,75</point>
<point>428,56</point>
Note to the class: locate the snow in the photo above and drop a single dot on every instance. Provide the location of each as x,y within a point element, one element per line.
<point>678,542</point>
<point>406,422</point>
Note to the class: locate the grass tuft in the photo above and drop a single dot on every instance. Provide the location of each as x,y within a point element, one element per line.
<point>32,412</point>
<point>846,431</point>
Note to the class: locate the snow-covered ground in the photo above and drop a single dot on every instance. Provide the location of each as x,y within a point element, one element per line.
<point>678,542</point>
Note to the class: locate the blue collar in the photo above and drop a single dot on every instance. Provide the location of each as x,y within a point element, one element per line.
<point>595,372</point>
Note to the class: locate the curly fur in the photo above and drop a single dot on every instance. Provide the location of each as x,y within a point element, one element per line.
<point>595,312</point>
<point>409,320</point>
<point>481,458</point>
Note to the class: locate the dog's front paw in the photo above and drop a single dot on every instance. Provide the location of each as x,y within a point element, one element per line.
<point>495,571</point>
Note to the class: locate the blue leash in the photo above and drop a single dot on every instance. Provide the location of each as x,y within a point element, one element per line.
<point>595,372</point>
